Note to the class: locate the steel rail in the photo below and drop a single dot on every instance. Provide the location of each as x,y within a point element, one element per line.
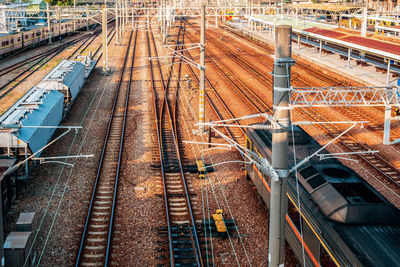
<point>326,79</point>
<point>212,58</point>
<point>165,107</point>
<point>155,111</point>
<point>215,91</point>
<point>47,59</point>
<point>101,162</point>
<point>48,52</point>
<point>114,201</point>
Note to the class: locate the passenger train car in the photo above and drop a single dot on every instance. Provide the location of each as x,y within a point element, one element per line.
<point>345,221</point>
<point>355,22</point>
<point>36,35</point>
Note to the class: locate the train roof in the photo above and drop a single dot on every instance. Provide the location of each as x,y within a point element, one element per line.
<point>374,244</point>
<point>3,34</point>
<point>69,74</point>
<point>37,107</point>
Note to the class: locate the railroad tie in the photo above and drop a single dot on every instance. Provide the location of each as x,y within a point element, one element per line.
<point>91,264</point>
<point>96,240</point>
<point>100,213</point>
<point>99,226</point>
<point>97,233</point>
<point>93,255</point>
<point>95,247</point>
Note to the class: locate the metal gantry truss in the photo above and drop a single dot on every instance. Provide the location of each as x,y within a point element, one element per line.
<point>344,96</point>
<point>387,97</point>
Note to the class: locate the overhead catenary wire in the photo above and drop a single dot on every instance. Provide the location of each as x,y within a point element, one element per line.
<point>63,167</point>
<point>206,189</point>
<point>297,189</point>
<point>215,196</point>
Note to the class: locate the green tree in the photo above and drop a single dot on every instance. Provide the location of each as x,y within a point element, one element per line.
<point>59,2</point>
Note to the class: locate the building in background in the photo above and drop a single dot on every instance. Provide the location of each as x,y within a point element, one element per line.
<point>37,5</point>
<point>12,16</point>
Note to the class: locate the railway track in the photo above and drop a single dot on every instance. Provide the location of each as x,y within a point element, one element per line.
<point>183,239</point>
<point>96,242</point>
<point>380,165</point>
<point>35,63</point>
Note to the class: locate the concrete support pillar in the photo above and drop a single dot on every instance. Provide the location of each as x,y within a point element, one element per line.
<point>48,22</point>
<point>320,48</point>
<point>59,23</point>
<point>388,72</point>
<point>74,15</point>
<point>364,22</point>
<point>104,41</point>
<point>117,23</point>
<point>386,126</point>
<point>348,58</point>
<point>126,13</point>
<point>298,40</point>
<point>278,205</point>
<point>203,68</point>
<point>148,19</point>
<point>121,18</point>
<point>87,18</point>
<point>133,19</point>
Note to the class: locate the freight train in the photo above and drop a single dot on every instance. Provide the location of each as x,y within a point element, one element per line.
<point>37,34</point>
<point>334,217</point>
<point>28,125</point>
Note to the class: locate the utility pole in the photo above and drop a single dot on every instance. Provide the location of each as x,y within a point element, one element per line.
<point>59,23</point>
<point>163,20</point>
<point>364,22</point>
<point>116,23</point>
<point>278,207</point>
<point>133,18</point>
<point>48,21</point>
<point>104,39</point>
<point>74,16</point>
<point>123,17</point>
<point>126,12</point>
<point>203,69</point>
<point>87,17</point>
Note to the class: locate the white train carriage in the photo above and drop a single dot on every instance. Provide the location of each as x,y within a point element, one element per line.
<point>10,43</point>
<point>37,34</point>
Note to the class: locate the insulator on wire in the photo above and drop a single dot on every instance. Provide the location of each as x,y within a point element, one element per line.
<point>262,126</point>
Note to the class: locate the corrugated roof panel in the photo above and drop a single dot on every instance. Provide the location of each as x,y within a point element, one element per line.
<point>68,73</point>
<point>47,114</point>
<point>14,117</point>
<point>386,240</point>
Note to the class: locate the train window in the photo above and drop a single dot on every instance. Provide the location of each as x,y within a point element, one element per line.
<point>308,172</point>
<point>359,190</point>
<point>26,36</point>
<point>12,40</point>
<point>19,39</point>
<point>392,24</point>
<point>316,181</point>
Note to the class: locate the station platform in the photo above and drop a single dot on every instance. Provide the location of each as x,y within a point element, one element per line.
<point>298,24</point>
<point>368,42</point>
<point>365,75</point>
